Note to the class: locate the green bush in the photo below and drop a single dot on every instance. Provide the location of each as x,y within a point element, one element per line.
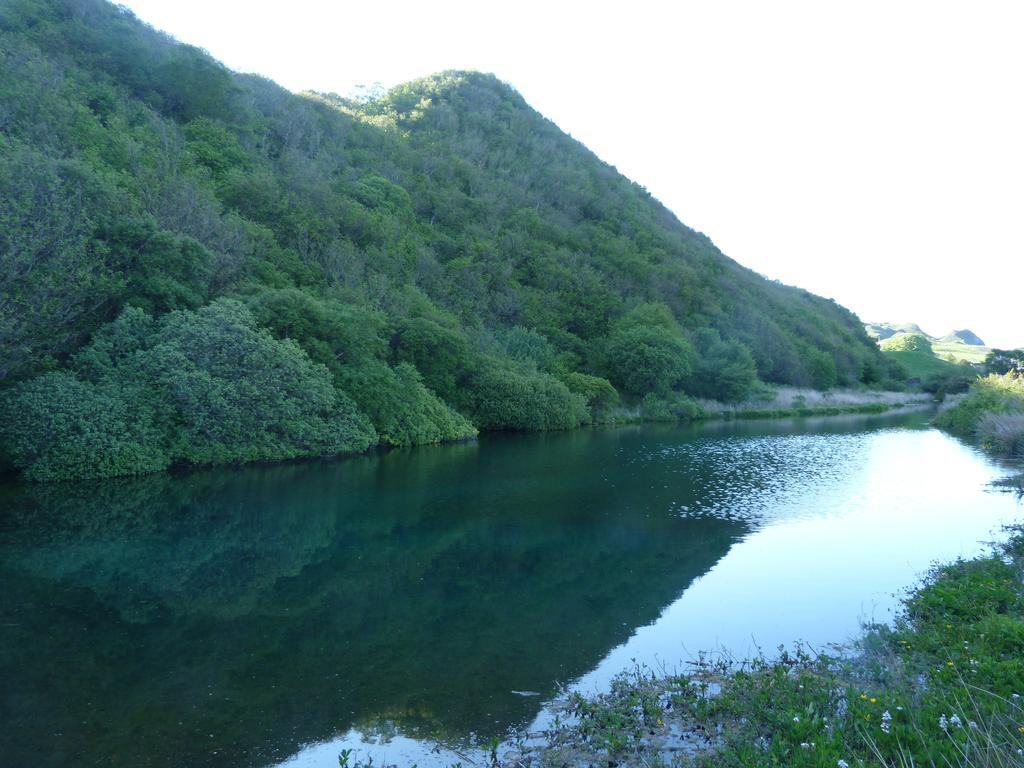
<point>441,354</point>
<point>498,397</point>
<point>671,407</point>
<point>58,427</point>
<point>401,408</point>
<point>206,387</point>
<point>821,367</point>
<point>993,394</point>
<point>599,395</point>
<point>724,370</point>
<point>642,359</point>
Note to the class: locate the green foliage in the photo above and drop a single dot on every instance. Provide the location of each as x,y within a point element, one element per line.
<point>907,342</point>
<point>822,369</point>
<point>444,224</point>
<point>440,353</point>
<point>165,271</point>
<point>993,394</point>
<point>641,359</point>
<point>506,398</point>
<point>55,279</point>
<point>1003,361</point>
<point>724,370</point>
<point>240,395</point>
<point>206,387</point>
<point>402,409</point>
<point>599,395</point>
<point>672,406</point>
<point>61,428</point>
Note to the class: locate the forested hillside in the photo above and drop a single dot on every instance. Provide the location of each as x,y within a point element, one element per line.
<point>199,266</point>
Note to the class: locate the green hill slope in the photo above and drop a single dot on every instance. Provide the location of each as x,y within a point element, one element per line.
<point>438,261</point>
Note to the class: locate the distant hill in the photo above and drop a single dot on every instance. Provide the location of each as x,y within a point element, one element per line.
<point>882,331</point>
<point>964,336</point>
<point>955,347</point>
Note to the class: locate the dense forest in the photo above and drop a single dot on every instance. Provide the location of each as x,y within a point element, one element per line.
<point>198,266</point>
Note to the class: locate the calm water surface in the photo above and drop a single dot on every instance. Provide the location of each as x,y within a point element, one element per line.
<point>409,604</point>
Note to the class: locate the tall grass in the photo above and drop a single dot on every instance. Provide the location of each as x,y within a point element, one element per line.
<point>796,398</point>
<point>1002,432</point>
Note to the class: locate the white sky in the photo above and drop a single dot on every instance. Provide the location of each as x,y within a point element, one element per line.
<point>868,151</point>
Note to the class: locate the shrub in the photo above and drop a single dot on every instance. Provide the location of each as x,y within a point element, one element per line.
<point>498,397</point>
<point>61,428</point>
<point>441,354</point>
<point>206,387</point>
<point>671,407</point>
<point>724,370</point>
<point>646,358</point>
<point>598,393</point>
<point>402,409</point>
<point>821,367</point>
<point>991,395</point>
<point>241,395</point>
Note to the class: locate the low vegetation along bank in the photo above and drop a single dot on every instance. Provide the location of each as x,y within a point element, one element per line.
<point>941,687</point>
<point>991,413</point>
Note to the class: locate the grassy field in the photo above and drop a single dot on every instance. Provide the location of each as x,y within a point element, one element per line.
<point>967,352</point>
<point>920,365</point>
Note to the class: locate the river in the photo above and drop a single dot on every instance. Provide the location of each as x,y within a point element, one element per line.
<point>410,604</point>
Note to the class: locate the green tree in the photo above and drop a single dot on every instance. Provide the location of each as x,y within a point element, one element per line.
<point>645,358</point>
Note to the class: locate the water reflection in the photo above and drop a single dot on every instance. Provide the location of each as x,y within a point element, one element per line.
<point>228,617</point>
<point>278,614</point>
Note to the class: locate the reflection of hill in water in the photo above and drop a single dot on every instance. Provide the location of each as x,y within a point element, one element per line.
<point>253,611</point>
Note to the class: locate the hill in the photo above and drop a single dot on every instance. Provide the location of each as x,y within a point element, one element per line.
<point>956,347</point>
<point>202,267</point>
<point>882,331</point>
<point>964,336</point>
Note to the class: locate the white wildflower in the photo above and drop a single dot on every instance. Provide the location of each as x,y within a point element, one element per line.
<point>972,724</point>
<point>955,720</point>
<point>842,764</point>
<point>943,722</point>
<point>886,721</point>
<point>796,718</point>
<point>804,745</point>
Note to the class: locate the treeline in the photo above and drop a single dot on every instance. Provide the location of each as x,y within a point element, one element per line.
<point>199,266</point>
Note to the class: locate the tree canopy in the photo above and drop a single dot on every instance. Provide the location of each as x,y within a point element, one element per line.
<point>405,268</point>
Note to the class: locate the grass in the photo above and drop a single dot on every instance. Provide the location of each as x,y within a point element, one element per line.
<point>784,402</point>
<point>970,353</point>
<point>920,365</point>
<point>942,687</point>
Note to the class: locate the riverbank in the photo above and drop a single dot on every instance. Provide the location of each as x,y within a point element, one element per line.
<point>991,414</point>
<point>786,402</point>
<point>942,686</point>
<point>777,403</point>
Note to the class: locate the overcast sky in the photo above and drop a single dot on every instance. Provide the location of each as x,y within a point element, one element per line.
<point>872,152</point>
